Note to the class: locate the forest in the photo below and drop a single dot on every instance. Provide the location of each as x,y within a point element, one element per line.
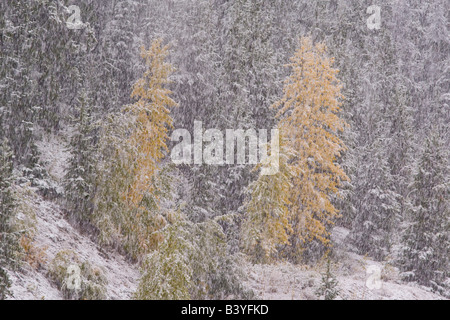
<point>117,115</point>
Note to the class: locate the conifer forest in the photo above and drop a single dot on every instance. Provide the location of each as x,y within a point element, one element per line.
<point>224,149</point>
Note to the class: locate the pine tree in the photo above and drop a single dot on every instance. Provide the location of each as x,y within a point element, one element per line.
<point>167,271</point>
<point>378,207</point>
<point>328,287</point>
<point>346,38</point>
<point>5,284</point>
<point>249,60</point>
<point>249,86</point>
<point>8,236</point>
<point>309,119</point>
<point>117,46</point>
<point>199,89</point>
<point>381,146</point>
<point>36,69</point>
<point>79,178</point>
<point>424,255</point>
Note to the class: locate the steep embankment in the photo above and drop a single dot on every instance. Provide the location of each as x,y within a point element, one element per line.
<point>52,233</point>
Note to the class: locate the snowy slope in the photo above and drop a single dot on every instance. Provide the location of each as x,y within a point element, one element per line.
<point>54,234</point>
<point>281,281</point>
<point>287,281</point>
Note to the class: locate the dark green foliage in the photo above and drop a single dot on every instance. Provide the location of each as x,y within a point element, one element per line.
<point>328,286</point>
<point>8,236</point>
<point>39,71</point>
<point>5,284</point>
<point>425,245</point>
<point>80,174</point>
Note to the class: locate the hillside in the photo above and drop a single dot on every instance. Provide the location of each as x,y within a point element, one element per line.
<point>224,149</point>
<point>281,281</point>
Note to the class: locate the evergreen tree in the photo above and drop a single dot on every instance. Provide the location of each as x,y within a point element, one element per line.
<point>249,86</point>
<point>267,224</point>
<point>424,255</point>
<point>249,60</point>
<point>199,89</point>
<point>8,236</point>
<point>328,287</point>
<point>167,272</point>
<point>79,178</point>
<point>39,72</point>
<point>378,207</point>
<point>116,50</point>
<point>192,262</point>
<point>381,148</point>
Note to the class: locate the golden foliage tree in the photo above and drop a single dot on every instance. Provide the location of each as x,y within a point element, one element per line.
<point>148,141</point>
<point>130,177</point>
<point>310,124</point>
<point>153,120</point>
<point>308,114</point>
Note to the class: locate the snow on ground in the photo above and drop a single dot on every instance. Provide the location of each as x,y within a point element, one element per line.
<point>272,282</point>
<point>53,233</point>
<point>285,281</point>
<point>288,282</point>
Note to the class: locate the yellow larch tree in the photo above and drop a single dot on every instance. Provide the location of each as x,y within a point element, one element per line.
<point>153,120</point>
<point>132,145</point>
<point>148,141</point>
<point>293,207</point>
<point>309,117</point>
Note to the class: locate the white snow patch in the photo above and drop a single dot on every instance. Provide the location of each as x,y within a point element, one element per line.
<point>57,234</point>
<point>285,281</point>
<point>54,155</point>
<point>54,233</point>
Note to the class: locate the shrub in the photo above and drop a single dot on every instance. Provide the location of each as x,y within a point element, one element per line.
<point>77,280</point>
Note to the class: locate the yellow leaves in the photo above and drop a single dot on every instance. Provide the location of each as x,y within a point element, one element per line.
<point>153,119</point>
<point>309,122</point>
<point>34,255</point>
<point>133,144</point>
<point>308,116</point>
